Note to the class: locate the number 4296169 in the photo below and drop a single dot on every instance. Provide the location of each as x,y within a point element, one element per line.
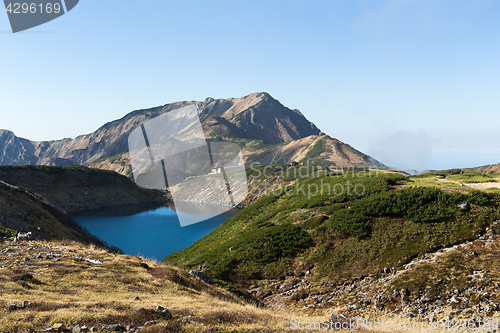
<point>33,8</point>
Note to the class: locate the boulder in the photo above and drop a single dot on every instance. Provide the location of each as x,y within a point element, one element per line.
<point>203,277</point>
<point>166,313</point>
<point>26,236</point>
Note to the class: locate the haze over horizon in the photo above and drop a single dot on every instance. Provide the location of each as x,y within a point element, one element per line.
<point>411,83</point>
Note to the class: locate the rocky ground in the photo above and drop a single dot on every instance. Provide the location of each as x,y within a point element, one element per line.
<point>438,287</point>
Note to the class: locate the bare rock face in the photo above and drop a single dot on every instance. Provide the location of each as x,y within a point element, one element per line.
<point>14,150</point>
<point>260,117</point>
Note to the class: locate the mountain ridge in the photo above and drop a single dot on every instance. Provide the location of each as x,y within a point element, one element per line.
<point>258,121</point>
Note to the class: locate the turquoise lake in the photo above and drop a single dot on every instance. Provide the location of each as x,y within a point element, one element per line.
<point>148,231</point>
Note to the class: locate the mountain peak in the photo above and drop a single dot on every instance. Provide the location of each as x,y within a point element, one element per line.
<point>255,117</point>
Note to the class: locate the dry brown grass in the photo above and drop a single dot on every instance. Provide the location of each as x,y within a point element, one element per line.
<point>72,292</point>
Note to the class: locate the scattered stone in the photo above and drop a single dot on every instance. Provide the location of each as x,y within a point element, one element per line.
<point>59,327</point>
<point>136,298</point>
<point>115,328</point>
<point>203,277</point>
<point>77,329</point>
<point>25,304</point>
<point>93,261</point>
<point>165,312</point>
<point>130,328</point>
<point>335,316</point>
<point>93,329</point>
<point>463,205</point>
<point>151,322</point>
<point>26,236</point>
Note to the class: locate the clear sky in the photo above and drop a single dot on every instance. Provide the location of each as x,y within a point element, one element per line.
<point>414,83</point>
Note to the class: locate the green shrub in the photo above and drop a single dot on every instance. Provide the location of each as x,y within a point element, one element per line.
<point>226,286</point>
<point>6,232</point>
<point>477,197</point>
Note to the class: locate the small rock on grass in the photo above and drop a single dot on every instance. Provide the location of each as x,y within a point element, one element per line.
<point>59,327</point>
<point>164,311</point>
<point>115,328</point>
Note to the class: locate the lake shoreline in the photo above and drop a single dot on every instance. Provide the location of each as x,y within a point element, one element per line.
<point>147,230</point>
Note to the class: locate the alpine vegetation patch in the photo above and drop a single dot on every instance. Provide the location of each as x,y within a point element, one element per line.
<point>312,189</point>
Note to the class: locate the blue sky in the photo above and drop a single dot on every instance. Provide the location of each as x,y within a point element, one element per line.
<point>413,83</point>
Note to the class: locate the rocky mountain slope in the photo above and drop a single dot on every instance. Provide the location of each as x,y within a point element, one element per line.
<point>14,150</point>
<point>267,131</point>
<point>314,149</point>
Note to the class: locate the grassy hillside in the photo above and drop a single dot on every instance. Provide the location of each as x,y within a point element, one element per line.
<point>359,225</point>
<point>21,211</point>
<point>78,188</point>
<point>60,286</point>
<point>487,169</point>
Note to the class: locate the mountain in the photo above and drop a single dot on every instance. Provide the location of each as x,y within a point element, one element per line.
<point>14,150</point>
<point>267,131</point>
